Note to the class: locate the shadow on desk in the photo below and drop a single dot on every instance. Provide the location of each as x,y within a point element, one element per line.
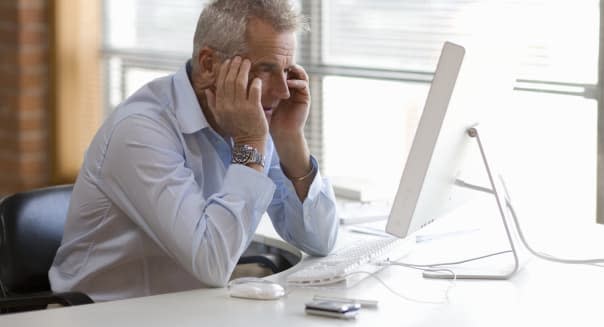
<point>260,260</point>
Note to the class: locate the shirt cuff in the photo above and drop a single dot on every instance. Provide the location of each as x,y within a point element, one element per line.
<point>252,186</point>
<point>316,185</point>
<point>317,182</point>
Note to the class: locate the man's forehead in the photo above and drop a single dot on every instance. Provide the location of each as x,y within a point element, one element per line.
<point>263,35</point>
<point>271,54</point>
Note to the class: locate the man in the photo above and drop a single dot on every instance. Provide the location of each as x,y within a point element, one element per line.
<point>176,180</point>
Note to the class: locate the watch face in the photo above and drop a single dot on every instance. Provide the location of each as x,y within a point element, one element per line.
<point>245,154</point>
<point>242,154</point>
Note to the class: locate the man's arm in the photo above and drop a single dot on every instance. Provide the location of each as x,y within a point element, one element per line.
<point>311,225</point>
<point>145,175</point>
<point>287,131</point>
<point>304,208</point>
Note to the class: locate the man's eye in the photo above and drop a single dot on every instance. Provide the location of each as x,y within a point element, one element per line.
<point>265,69</point>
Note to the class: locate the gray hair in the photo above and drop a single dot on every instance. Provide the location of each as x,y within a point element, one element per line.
<point>222,24</point>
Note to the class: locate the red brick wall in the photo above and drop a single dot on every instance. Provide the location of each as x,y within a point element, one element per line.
<point>24,96</point>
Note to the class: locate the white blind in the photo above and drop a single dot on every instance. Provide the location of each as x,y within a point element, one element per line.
<point>355,43</point>
<point>560,38</point>
<point>151,26</point>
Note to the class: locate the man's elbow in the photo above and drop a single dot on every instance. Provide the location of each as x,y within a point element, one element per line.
<point>216,280</point>
<point>323,247</point>
<point>214,272</point>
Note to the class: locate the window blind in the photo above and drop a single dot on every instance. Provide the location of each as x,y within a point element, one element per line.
<point>559,38</point>
<point>368,41</point>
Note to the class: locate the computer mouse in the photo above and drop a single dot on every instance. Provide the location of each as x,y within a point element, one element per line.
<point>255,288</point>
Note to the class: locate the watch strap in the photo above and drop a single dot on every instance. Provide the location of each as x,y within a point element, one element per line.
<point>246,154</point>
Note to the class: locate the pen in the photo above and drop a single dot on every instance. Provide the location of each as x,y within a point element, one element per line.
<point>363,303</point>
<point>437,236</point>
<point>368,230</point>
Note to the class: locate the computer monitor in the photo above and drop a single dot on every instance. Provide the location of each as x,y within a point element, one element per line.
<point>427,186</point>
<point>443,155</point>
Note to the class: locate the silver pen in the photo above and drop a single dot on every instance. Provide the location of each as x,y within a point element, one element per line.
<point>363,303</point>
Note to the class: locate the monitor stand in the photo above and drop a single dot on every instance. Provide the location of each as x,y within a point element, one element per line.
<point>510,229</point>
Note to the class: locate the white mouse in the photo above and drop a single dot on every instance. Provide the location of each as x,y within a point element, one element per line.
<point>255,288</point>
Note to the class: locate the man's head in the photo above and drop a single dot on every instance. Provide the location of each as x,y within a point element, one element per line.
<point>262,31</point>
<point>223,24</point>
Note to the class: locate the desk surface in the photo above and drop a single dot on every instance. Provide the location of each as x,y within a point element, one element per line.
<point>541,294</point>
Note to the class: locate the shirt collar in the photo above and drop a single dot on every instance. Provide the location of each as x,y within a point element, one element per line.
<point>186,106</point>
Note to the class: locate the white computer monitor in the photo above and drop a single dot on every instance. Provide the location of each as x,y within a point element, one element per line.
<point>446,165</point>
<point>442,150</point>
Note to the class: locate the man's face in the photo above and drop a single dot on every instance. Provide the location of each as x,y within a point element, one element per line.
<point>271,54</point>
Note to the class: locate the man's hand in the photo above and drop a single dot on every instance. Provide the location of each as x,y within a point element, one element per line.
<point>237,109</point>
<point>287,129</point>
<point>290,115</point>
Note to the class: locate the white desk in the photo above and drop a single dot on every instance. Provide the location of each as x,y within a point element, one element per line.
<point>542,294</point>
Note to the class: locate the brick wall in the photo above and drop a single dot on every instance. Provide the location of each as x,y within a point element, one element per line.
<point>24,95</point>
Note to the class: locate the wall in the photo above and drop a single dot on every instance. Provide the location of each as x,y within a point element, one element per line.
<point>25,153</point>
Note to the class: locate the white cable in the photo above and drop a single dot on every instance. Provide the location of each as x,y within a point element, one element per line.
<point>599,262</point>
<point>546,256</point>
<point>450,263</point>
<point>403,296</point>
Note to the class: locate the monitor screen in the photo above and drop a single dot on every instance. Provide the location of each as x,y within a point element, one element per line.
<point>442,151</point>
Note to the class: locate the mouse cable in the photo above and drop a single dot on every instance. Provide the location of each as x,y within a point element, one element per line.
<point>385,285</point>
<point>445,300</point>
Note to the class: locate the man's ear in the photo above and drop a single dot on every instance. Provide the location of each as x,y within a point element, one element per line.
<point>207,61</point>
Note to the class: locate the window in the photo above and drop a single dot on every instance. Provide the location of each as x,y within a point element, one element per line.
<point>371,63</point>
<point>145,39</point>
<point>371,57</point>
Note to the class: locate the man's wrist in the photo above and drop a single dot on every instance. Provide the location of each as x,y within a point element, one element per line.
<point>310,173</point>
<point>249,155</point>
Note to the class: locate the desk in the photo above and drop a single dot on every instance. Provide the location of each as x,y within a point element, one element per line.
<point>541,294</point>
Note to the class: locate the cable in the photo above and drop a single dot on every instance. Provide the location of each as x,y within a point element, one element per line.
<point>449,263</point>
<point>405,297</point>
<point>598,262</point>
<point>546,256</point>
<point>390,289</point>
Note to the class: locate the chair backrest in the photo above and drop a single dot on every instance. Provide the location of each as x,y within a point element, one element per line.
<point>31,228</point>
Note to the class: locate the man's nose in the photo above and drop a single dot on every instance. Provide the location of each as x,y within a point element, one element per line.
<point>280,88</point>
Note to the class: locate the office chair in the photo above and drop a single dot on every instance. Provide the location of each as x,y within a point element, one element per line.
<point>31,228</point>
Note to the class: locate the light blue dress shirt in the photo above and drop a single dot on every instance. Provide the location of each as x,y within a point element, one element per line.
<point>158,207</point>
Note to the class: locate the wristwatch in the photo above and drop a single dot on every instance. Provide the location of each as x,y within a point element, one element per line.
<point>246,154</point>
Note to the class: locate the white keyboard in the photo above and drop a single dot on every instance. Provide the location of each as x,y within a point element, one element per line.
<point>341,265</point>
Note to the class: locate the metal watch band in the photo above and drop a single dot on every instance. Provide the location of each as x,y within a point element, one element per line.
<point>246,154</point>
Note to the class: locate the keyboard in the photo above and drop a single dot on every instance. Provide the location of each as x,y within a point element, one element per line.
<point>340,266</point>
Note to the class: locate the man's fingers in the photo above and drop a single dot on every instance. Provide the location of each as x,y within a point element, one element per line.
<point>221,76</point>
<point>297,72</point>
<point>296,84</point>
<point>242,80</point>
<point>256,91</point>
<point>229,82</point>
